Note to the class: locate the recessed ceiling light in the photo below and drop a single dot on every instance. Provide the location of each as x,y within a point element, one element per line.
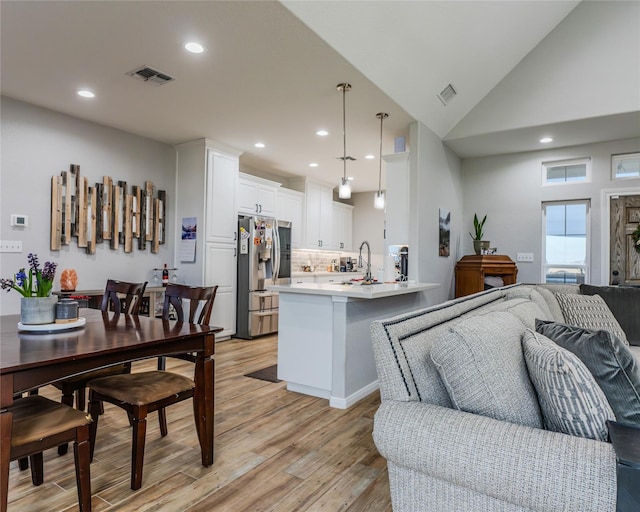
<point>313,164</point>
<point>259,144</point>
<point>86,93</point>
<point>546,140</point>
<point>350,178</point>
<point>194,47</point>
<point>322,133</point>
<point>369,157</point>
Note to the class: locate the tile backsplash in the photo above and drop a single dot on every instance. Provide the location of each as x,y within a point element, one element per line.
<point>320,260</point>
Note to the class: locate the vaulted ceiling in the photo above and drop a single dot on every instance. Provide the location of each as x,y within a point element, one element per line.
<point>270,70</point>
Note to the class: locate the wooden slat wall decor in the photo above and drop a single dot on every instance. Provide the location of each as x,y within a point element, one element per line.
<point>56,212</point>
<point>105,212</point>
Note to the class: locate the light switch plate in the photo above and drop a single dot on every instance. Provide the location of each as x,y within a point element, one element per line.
<point>525,256</point>
<point>10,245</point>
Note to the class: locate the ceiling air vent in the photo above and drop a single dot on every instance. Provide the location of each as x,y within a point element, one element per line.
<point>150,76</point>
<point>447,94</point>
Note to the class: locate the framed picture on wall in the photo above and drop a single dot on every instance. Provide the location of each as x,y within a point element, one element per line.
<point>444,219</point>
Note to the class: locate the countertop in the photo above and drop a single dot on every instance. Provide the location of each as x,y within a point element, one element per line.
<point>355,290</point>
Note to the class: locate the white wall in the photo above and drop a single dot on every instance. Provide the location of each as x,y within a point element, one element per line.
<point>508,189</point>
<point>435,178</point>
<point>39,143</point>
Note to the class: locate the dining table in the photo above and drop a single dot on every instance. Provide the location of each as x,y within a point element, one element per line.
<point>30,359</point>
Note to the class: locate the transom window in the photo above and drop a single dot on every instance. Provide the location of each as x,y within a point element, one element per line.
<point>625,166</point>
<point>566,171</point>
<point>565,226</point>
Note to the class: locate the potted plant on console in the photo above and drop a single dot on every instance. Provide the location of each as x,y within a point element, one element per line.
<point>479,244</point>
<point>37,306</point>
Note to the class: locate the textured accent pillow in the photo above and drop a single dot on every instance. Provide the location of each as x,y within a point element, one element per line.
<point>589,312</point>
<point>481,364</point>
<point>624,303</point>
<point>610,362</point>
<point>570,399</point>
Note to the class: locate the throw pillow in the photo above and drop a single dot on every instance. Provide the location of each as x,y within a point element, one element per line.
<point>624,303</point>
<point>610,362</point>
<point>481,364</point>
<point>570,399</point>
<point>589,312</point>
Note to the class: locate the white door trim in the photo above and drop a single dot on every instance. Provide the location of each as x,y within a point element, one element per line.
<point>605,214</point>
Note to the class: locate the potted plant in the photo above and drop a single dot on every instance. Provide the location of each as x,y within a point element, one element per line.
<point>479,244</point>
<point>37,306</point>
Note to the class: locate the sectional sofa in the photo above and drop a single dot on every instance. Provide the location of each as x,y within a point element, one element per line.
<point>495,451</point>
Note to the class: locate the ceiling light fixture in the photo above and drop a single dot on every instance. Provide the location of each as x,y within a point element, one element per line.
<point>546,140</point>
<point>194,47</point>
<point>322,133</point>
<point>86,93</point>
<point>344,189</point>
<point>378,202</point>
<point>369,157</point>
<point>259,145</point>
<point>313,164</point>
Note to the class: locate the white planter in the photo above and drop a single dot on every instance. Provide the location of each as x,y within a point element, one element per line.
<point>38,310</point>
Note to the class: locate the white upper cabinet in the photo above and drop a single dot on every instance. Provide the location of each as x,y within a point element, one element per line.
<point>342,226</point>
<point>290,206</point>
<point>222,179</point>
<point>319,216</point>
<point>257,196</point>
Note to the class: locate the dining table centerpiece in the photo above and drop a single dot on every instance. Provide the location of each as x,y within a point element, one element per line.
<point>37,305</point>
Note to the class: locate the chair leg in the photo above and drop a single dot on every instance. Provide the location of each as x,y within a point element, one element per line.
<point>94,411</point>
<point>23,463</point>
<point>162,419</point>
<point>81,452</point>
<point>66,399</point>
<point>37,469</point>
<point>137,446</point>
<point>81,400</point>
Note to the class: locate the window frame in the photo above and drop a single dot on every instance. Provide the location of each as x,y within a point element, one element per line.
<point>564,163</point>
<point>587,265</point>
<point>620,158</point>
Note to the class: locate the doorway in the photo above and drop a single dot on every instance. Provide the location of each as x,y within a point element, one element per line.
<point>624,260</point>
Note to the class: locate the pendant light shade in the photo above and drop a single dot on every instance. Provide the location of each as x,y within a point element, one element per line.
<point>379,198</point>
<point>344,189</point>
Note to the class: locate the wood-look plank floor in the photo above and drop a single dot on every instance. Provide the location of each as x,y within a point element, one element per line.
<point>275,450</point>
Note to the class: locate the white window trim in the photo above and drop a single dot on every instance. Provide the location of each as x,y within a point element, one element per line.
<point>617,158</point>
<point>557,163</point>
<point>543,259</point>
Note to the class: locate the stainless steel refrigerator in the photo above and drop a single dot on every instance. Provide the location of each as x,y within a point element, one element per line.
<point>264,257</point>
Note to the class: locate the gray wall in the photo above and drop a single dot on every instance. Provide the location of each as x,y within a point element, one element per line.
<point>435,178</point>
<point>39,143</point>
<point>508,189</point>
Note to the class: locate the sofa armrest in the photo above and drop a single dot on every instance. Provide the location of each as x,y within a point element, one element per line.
<point>528,467</point>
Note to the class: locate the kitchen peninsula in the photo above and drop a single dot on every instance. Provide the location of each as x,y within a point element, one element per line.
<point>324,344</point>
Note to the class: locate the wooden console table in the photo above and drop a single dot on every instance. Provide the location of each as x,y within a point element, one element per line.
<point>471,271</point>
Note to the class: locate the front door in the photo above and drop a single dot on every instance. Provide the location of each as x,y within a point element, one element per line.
<point>625,260</point>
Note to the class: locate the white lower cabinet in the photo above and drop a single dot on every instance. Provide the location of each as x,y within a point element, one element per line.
<point>220,269</point>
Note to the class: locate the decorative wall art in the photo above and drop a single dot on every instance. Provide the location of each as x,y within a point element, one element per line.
<point>444,219</point>
<point>107,211</point>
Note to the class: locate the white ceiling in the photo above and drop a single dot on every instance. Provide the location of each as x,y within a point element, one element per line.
<point>267,77</point>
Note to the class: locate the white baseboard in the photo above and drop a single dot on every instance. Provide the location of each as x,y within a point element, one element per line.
<point>345,403</point>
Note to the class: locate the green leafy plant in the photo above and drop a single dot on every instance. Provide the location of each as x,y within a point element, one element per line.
<point>36,283</point>
<point>636,238</point>
<point>478,226</point>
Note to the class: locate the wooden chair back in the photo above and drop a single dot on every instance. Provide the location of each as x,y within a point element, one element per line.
<point>196,295</point>
<point>130,303</point>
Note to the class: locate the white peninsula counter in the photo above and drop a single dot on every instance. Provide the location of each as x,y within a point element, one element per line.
<point>324,343</point>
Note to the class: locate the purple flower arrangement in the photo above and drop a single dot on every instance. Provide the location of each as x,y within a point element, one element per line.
<point>36,282</point>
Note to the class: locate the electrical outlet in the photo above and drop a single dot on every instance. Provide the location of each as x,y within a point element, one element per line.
<point>525,256</point>
<point>10,246</point>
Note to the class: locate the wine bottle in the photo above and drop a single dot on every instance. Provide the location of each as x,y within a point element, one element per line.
<point>165,275</point>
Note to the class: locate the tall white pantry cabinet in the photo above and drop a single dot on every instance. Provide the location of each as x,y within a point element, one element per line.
<point>206,188</point>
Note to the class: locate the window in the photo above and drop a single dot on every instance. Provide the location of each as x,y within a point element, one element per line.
<point>565,227</point>
<point>625,166</point>
<point>566,171</point>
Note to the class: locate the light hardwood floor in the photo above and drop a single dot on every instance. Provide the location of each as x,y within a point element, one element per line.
<point>275,450</point>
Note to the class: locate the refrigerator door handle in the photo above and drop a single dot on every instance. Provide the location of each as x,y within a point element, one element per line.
<point>276,252</point>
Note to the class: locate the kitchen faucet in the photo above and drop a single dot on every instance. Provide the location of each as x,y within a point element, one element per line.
<point>367,277</point>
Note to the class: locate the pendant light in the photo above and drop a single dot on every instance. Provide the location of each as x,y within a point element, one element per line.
<point>344,189</point>
<point>379,198</point>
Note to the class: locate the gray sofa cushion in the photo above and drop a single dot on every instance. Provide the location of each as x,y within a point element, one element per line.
<point>589,312</point>
<point>570,399</point>
<point>610,362</point>
<point>624,303</point>
<point>481,363</point>
<point>528,292</point>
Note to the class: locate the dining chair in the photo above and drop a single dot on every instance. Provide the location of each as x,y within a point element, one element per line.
<point>142,393</point>
<point>121,297</point>
<point>40,424</point>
